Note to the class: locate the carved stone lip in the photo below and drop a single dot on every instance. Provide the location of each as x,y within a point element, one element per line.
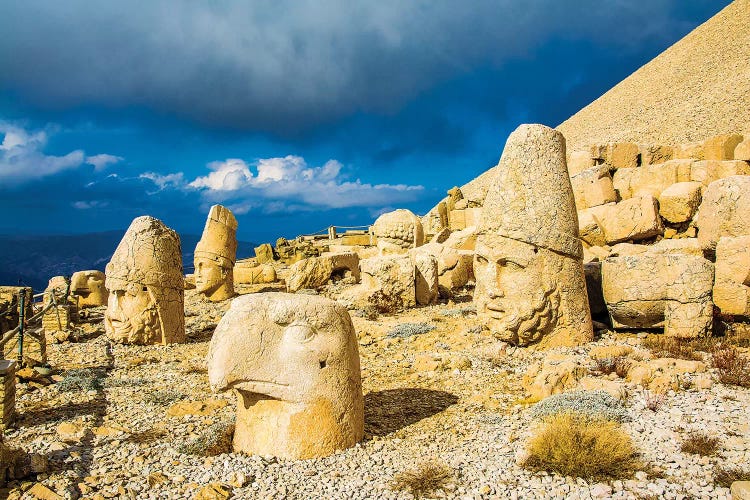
<point>496,311</point>
<point>259,386</point>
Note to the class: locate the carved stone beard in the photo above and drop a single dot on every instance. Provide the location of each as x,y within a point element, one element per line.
<point>540,319</point>
<point>143,327</point>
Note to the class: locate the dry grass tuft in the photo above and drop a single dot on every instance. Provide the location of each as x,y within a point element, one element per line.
<point>698,443</point>
<point>662,346</point>
<point>619,365</point>
<point>571,444</point>
<point>734,368</point>
<point>425,479</point>
<point>725,476</point>
<point>654,402</point>
<point>146,437</point>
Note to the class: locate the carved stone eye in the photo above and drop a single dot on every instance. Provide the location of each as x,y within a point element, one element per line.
<point>300,332</point>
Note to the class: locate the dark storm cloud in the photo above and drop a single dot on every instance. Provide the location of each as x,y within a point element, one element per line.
<point>288,66</point>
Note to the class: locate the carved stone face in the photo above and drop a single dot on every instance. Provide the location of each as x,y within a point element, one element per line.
<point>295,363</point>
<point>132,316</point>
<point>89,287</point>
<point>209,275</point>
<point>515,296</point>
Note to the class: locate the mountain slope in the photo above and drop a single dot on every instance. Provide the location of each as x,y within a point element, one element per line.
<point>697,88</point>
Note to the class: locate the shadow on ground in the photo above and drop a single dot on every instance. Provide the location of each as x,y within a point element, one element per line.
<point>393,409</point>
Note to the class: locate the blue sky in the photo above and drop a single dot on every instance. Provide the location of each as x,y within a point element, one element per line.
<point>295,114</point>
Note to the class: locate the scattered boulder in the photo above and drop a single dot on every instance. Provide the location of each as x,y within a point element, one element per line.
<point>556,374</point>
<point>426,278</point>
<point>724,211</point>
<point>707,172</point>
<point>593,187</point>
<point>616,155</point>
<point>721,147</point>
<point>629,220</point>
<point>731,291</point>
<point>315,272</point>
<point>651,290</point>
<point>264,253</point>
<point>680,201</point>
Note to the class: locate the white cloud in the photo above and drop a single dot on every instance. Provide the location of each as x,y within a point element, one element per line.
<point>86,205</point>
<point>101,161</point>
<point>286,184</point>
<point>163,181</point>
<point>22,157</point>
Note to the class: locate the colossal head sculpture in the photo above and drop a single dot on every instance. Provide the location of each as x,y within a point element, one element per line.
<point>528,262</point>
<point>146,286</point>
<point>215,255</point>
<point>398,231</point>
<point>88,287</point>
<point>294,362</point>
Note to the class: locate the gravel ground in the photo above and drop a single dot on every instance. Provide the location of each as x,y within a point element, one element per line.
<point>450,394</point>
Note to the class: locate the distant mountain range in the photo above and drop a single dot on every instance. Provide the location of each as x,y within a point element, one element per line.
<point>33,260</point>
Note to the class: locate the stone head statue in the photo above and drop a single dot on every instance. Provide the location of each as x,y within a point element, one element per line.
<point>215,255</point>
<point>146,286</point>
<point>294,362</point>
<point>528,261</point>
<point>398,231</point>
<point>89,287</point>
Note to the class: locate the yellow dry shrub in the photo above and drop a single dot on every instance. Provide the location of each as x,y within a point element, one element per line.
<point>572,444</point>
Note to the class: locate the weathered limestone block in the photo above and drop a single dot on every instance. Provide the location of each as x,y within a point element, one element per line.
<point>742,151</point>
<point>264,253</point>
<point>740,490</point>
<point>215,255</point>
<point>651,179</point>
<point>651,290</point>
<point>465,239</point>
<point>684,246</point>
<point>8,395</point>
<point>679,202</point>
<point>454,196</point>
<point>663,374</point>
<point>146,286</point>
<point>721,147</point>
<point>426,278</point>
<point>88,287</point>
<point>616,154</point>
<point>633,219</point>
<point>652,154</point>
<point>389,281</point>
<point>578,161</point>
<point>398,231</point>
<point>472,217</point>
<point>589,229</point>
<point>294,362</point>
<point>315,272</point>
<point>706,171</point>
<point>555,375</point>
<point>249,272</point>
<point>454,266</point>
<point>724,211</point>
<point>693,150</point>
<point>732,284</point>
<point>530,285</point>
<point>457,218</point>
<point>593,187</point>
<point>436,219</point>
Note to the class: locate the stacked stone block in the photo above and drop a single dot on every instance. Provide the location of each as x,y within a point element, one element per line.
<point>7,392</point>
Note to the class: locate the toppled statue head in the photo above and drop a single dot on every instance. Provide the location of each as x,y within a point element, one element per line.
<point>215,255</point>
<point>528,262</point>
<point>88,287</point>
<point>146,286</point>
<point>398,231</point>
<point>294,361</point>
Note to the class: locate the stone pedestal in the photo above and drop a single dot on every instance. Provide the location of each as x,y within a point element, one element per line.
<point>7,392</point>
